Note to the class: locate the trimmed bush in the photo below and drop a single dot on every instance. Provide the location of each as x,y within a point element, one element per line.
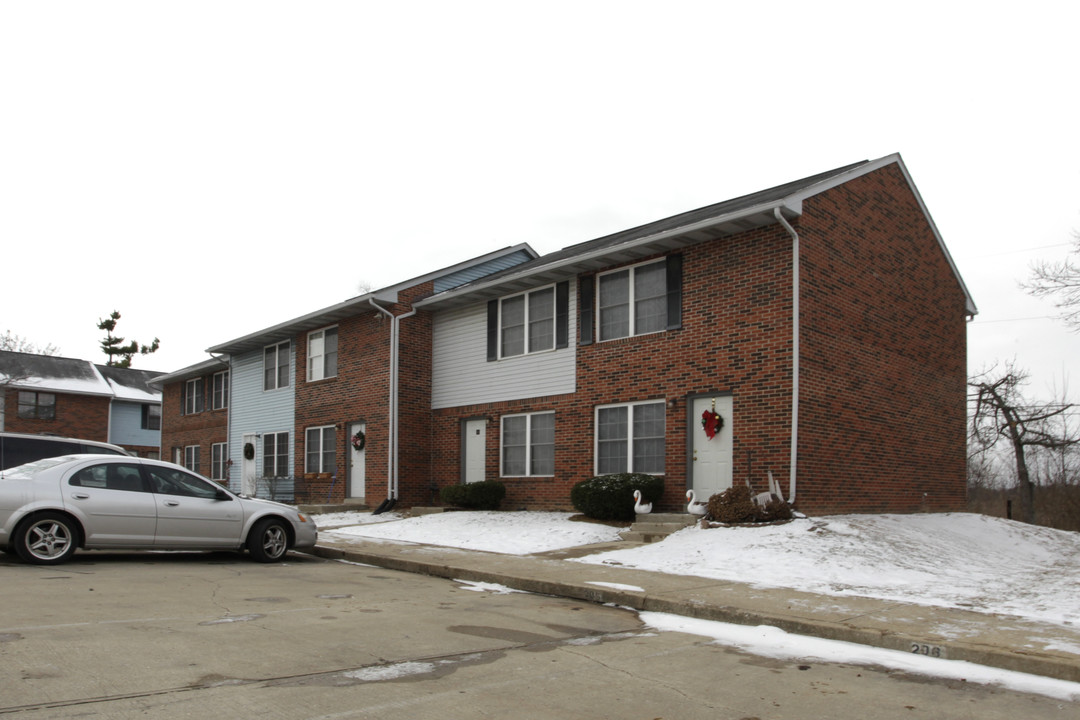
<point>611,497</point>
<point>486,495</point>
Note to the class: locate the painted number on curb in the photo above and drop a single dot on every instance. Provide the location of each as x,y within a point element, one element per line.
<point>935,651</point>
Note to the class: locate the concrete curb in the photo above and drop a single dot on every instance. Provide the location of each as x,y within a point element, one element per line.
<point>519,573</point>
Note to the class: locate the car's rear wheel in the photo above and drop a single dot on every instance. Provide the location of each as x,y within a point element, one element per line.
<point>46,539</point>
<point>269,540</point>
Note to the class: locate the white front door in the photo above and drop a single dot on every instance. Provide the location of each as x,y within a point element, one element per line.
<point>475,449</point>
<point>712,460</point>
<point>357,461</point>
<point>249,469</point>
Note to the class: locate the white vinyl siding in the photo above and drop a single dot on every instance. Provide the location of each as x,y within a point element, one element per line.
<point>461,374</point>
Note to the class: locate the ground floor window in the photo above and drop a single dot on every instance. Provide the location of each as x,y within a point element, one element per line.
<point>528,444</point>
<point>320,449</point>
<point>630,438</point>
<point>218,456</point>
<point>191,458</point>
<point>276,454</point>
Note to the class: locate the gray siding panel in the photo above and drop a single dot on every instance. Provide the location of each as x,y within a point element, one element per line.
<point>461,374</point>
<point>476,272</point>
<point>254,410</point>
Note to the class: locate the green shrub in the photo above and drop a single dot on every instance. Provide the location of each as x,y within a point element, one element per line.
<point>611,497</point>
<point>486,495</point>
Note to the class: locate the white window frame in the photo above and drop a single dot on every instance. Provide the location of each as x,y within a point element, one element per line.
<point>278,385</point>
<point>279,440</point>
<point>192,457</point>
<point>321,430</point>
<point>526,345</point>
<point>219,457</point>
<point>630,439</point>
<point>194,396</point>
<point>317,358</point>
<point>529,445</point>
<point>223,392</point>
<point>631,301</point>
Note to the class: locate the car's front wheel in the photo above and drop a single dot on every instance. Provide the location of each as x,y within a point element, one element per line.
<point>46,539</point>
<point>269,540</point>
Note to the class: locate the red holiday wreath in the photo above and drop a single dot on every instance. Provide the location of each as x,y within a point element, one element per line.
<point>712,422</point>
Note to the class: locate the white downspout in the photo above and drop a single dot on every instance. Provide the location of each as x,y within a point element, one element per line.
<point>793,462</point>
<point>392,430</point>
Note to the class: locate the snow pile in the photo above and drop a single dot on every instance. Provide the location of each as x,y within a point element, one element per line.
<point>957,560</point>
<point>511,533</point>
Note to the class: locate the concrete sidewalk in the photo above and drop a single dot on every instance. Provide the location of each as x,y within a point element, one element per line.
<point>994,640</point>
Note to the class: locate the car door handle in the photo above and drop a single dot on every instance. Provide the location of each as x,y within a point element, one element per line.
<point>80,496</point>
<point>171,503</point>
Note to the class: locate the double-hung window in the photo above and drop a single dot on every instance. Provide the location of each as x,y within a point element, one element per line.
<point>633,301</point>
<point>320,449</point>
<point>275,454</point>
<point>630,438</point>
<point>528,444</point>
<point>193,396</point>
<point>37,405</point>
<point>191,458</point>
<point>219,455</point>
<point>220,393</point>
<point>276,366</point>
<point>151,417</point>
<point>527,322</point>
<point>322,354</point>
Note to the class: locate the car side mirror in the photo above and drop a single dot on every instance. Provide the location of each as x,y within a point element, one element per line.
<point>222,495</point>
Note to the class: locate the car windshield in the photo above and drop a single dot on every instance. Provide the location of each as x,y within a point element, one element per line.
<point>31,468</point>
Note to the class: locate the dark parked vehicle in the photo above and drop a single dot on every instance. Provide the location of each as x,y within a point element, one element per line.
<point>19,449</point>
<point>50,507</point>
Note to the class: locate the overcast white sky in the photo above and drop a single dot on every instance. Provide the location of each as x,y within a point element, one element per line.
<point>212,168</point>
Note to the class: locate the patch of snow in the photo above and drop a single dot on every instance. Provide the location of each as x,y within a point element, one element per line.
<point>616,586</point>
<point>775,643</point>
<point>496,588</point>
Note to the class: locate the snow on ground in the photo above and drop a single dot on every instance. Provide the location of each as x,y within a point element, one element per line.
<point>511,533</point>
<point>958,560</point>
<point>955,560</point>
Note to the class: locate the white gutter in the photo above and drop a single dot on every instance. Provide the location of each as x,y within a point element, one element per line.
<point>392,445</point>
<point>793,462</point>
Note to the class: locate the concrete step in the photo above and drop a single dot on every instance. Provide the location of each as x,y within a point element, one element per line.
<point>654,527</point>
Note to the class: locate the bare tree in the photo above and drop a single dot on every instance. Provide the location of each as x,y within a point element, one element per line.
<point>1000,412</point>
<point>1059,281</point>
<point>11,342</point>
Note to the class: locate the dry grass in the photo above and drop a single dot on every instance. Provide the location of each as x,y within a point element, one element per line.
<point>1056,506</point>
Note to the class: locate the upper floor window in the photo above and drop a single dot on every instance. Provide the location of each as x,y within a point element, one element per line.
<point>37,405</point>
<point>527,322</point>
<point>636,300</point>
<point>194,392</point>
<point>151,417</point>
<point>276,366</point>
<point>531,322</point>
<point>220,392</point>
<point>320,449</point>
<point>632,301</point>
<point>322,354</point>
<point>528,444</point>
<point>630,438</point>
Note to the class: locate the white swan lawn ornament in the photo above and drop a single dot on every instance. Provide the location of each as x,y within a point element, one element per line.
<point>693,506</point>
<point>639,507</point>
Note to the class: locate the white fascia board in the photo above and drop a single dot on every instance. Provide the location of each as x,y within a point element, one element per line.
<point>789,206</point>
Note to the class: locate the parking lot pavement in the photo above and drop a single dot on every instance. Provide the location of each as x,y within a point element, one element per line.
<point>125,635</point>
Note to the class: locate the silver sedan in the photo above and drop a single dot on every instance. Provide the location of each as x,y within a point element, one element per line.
<point>51,507</point>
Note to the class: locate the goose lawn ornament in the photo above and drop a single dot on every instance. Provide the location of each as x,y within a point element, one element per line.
<point>639,507</point>
<point>693,506</point>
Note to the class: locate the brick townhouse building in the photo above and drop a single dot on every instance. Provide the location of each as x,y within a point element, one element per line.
<point>820,325</point>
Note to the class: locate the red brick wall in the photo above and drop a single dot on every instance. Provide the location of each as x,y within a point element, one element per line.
<point>360,393</point>
<point>79,416</point>
<point>202,429</point>
<point>884,355</point>
<point>883,365</point>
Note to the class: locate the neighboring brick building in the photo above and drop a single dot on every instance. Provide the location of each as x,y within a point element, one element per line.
<point>76,398</point>
<point>604,357</point>
<point>195,418</point>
